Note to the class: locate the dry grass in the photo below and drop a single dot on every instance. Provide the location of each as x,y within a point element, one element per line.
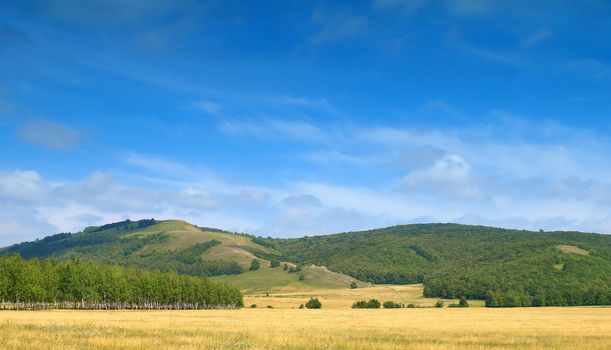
<point>573,249</point>
<point>479,328</point>
<point>343,298</point>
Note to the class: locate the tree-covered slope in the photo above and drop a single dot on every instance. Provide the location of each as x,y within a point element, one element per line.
<point>170,245</point>
<point>506,267</point>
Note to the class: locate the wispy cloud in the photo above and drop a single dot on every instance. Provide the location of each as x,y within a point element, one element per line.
<point>337,25</point>
<point>209,107</point>
<point>536,37</point>
<point>50,134</point>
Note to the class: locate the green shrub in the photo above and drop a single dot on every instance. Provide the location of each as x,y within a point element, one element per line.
<point>353,285</point>
<point>301,277</point>
<point>371,304</point>
<point>274,263</point>
<point>313,303</point>
<point>301,306</point>
<point>255,264</point>
<point>453,305</point>
<point>295,269</point>
<point>463,302</point>
<point>391,305</point>
<point>439,304</point>
<point>411,306</point>
<point>253,306</point>
<point>286,267</point>
<point>270,307</point>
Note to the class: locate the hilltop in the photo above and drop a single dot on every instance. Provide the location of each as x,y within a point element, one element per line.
<point>176,245</point>
<point>503,267</point>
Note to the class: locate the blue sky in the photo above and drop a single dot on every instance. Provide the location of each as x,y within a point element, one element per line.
<point>289,118</point>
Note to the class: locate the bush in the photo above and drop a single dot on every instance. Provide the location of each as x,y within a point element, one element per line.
<point>274,263</point>
<point>253,306</point>
<point>255,264</point>
<point>286,267</point>
<point>391,305</point>
<point>295,269</point>
<point>353,285</point>
<point>463,302</point>
<point>301,306</point>
<point>411,306</point>
<point>301,277</point>
<point>453,305</point>
<point>270,307</point>
<point>362,304</point>
<point>313,303</point>
<point>439,303</point>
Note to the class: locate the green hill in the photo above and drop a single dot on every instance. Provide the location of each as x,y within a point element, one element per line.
<point>175,245</point>
<point>170,245</point>
<point>504,267</point>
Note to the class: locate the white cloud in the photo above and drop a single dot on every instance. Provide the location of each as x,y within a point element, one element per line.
<point>536,37</point>
<point>336,26</point>
<point>209,107</point>
<point>449,176</point>
<point>50,134</point>
<point>469,7</point>
<point>512,173</point>
<point>408,6</point>
<point>274,129</point>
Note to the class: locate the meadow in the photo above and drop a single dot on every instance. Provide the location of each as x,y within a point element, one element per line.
<point>424,328</point>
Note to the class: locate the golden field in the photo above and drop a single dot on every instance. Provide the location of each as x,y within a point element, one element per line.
<point>426,328</point>
<point>291,297</point>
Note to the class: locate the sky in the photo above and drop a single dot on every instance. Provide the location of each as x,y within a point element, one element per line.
<point>291,118</point>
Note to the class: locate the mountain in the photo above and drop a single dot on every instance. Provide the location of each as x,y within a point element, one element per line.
<point>504,267</point>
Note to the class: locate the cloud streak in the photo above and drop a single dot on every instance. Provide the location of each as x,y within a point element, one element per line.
<point>50,134</point>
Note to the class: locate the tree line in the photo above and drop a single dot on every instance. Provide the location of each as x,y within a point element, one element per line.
<point>44,283</point>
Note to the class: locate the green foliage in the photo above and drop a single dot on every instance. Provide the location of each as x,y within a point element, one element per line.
<point>297,268</point>
<point>458,260</point>
<point>120,243</point>
<point>503,267</point>
<point>301,277</point>
<point>362,304</point>
<point>353,285</point>
<point>255,264</point>
<point>253,306</point>
<point>263,242</point>
<point>391,305</point>
<point>107,286</point>
<point>274,263</point>
<point>439,304</point>
<point>313,303</point>
<point>463,302</point>
<point>411,306</point>
<point>270,307</point>
<point>453,305</point>
<point>301,306</point>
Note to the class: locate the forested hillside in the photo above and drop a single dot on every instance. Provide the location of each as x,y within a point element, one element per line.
<point>47,283</point>
<point>505,267</point>
<point>171,245</point>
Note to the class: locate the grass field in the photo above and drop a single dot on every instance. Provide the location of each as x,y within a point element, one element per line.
<point>343,298</point>
<point>281,290</point>
<point>476,328</point>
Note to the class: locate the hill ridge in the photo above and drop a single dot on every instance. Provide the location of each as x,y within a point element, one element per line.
<point>504,266</point>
